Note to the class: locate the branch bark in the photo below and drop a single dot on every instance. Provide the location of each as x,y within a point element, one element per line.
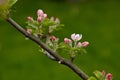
<point>60,59</point>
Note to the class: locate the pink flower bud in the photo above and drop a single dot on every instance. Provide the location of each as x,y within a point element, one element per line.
<point>67,41</point>
<point>30,19</point>
<point>79,44</point>
<point>53,38</point>
<point>109,76</point>
<point>85,44</point>
<point>44,16</point>
<point>29,30</point>
<point>39,19</point>
<point>40,12</point>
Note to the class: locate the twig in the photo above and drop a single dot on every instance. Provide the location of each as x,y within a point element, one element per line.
<point>58,58</point>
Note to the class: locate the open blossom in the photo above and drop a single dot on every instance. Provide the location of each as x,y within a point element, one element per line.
<point>67,41</point>
<point>76,37</point>
<point>85,44</point>
<point>109,76</point>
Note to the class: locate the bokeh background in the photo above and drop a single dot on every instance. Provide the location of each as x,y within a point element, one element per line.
<point>97,20</point>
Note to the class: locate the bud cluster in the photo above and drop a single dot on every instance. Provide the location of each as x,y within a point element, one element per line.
<point>75,38</point>
<point>101,75</point>
<point>107,76</point>
<point>42,25</point>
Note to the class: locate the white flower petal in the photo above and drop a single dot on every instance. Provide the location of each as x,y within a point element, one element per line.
<point>80,37</point>
<point>73,36</point>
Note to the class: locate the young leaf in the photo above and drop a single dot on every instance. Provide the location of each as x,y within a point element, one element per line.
<point>63,48</point>
<point>11,3</point>
<point>56,28</point>
<point>92,78</point>
<point>5,5</point>
<point>48,22</point>
<point>98,74</point>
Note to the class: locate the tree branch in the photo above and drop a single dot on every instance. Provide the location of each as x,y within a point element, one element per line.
<point>60,59</point>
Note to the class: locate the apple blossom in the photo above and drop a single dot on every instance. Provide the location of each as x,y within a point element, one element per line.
<point>30,19</point>
<point>53,38</point>
<point>39,19</point>
<point>40,12</point>
<point>85,44</point>
<point>44,16</point>
<point>41,15</point>
<point>67,41</point>
<point>76,37</point>
<point>109,76</point>
<point>79,44</point>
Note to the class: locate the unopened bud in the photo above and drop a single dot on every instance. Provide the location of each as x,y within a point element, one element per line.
<point>39,19</point>
<point>53,38</point>
<point>40,12</point>
<point>30,19</point>
<point>79,44</point>
<point>109,76</point>
<point>44,16</point>
<point>85,44</point>
<point>67,41</point>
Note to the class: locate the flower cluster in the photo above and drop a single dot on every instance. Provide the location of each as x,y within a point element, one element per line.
<point>41,15</point>
<point>72,46</point>
<point>76,38</point>
<point>42,26</point>
<point>101,76</point>
<point>107,76</point>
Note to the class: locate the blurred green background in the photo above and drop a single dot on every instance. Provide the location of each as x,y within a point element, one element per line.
<point>97,20</point>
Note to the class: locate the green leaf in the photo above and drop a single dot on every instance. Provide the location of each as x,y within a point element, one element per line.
<point>92,78</point>
<point>83,51</point>
<point>41,50</point>
<point>11,3</point>
<point>48,22</point>
<point>98,74</point>
<point>5,5</point>
<point>31,25</point>
<point>78,50</point>
<point>63,48</point>
<point>55,28</point>
<point>64,45</point>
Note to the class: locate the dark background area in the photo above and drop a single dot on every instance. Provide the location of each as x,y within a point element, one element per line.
<point>97,20</point>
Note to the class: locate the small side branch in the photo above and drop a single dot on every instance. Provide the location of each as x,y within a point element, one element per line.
<point>58,58</point>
